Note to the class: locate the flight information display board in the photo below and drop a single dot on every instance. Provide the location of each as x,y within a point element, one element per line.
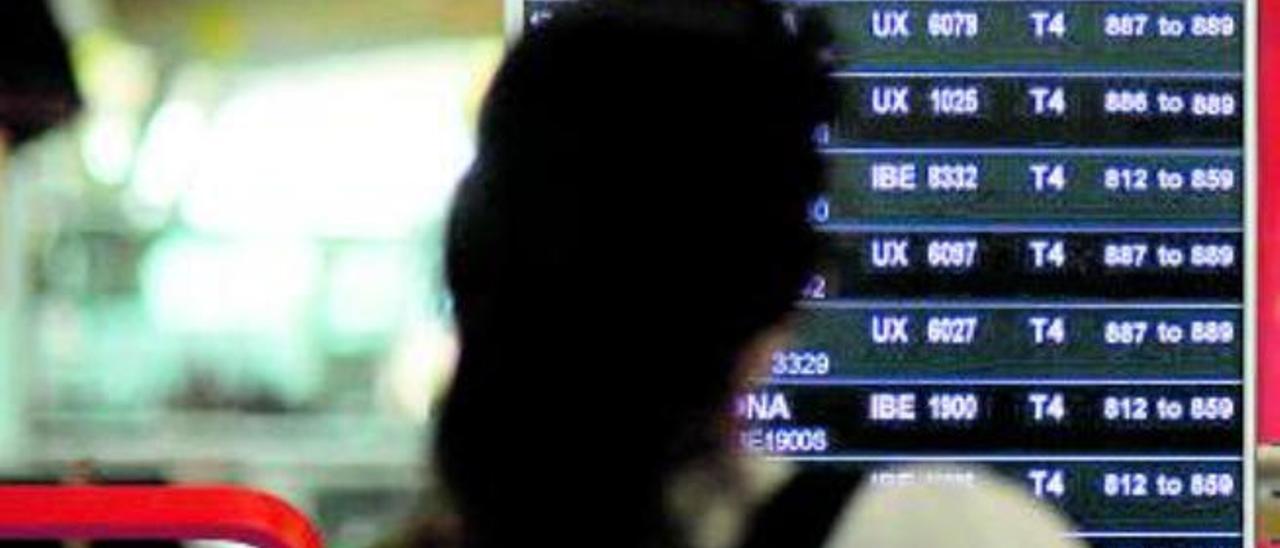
<point>1037,212</point>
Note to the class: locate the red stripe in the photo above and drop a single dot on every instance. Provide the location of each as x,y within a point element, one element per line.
<point>154,513</point>
<point>1269,221</point>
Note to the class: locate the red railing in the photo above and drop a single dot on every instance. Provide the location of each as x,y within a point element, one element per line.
<point>154,513</point>
<point>1268,222</point>
<point>1268,238</point>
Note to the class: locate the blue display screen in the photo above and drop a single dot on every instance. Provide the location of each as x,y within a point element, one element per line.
<point>1036,215</point>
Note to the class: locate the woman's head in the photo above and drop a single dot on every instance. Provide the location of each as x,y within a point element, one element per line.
<point>635,217</point>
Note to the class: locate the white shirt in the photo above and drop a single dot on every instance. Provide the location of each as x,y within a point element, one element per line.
<point>987,512</point>
<point>930,508</point>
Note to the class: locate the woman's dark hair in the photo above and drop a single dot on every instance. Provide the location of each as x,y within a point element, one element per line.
<point>635,216</point>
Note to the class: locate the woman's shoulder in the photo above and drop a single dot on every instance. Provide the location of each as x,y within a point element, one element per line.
<point>947,507</point>
<point>936,506</point>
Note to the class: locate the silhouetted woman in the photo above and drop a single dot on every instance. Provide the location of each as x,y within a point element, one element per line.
<point>632,232</point>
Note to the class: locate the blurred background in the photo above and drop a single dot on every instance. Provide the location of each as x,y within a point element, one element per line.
<point>225,266</point>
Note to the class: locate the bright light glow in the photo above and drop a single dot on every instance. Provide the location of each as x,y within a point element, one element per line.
<point>302,200</point>
<point>241,304</point>
<point>369,290</point>
<point>118,79</point>
<point>365,146</point>
<point>108,147</point>
<point>419,368</point>
<point>211,286</point>
<point>169,155</point>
